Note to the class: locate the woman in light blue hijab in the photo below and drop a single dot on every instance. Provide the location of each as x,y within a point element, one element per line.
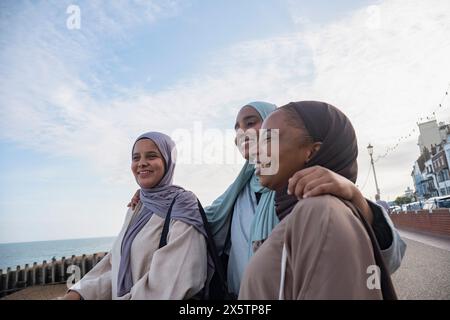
<point>246,204</point>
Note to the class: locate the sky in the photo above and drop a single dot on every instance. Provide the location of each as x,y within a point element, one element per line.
<point>72,101</point>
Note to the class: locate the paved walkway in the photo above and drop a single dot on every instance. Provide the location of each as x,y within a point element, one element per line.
<point>424,273</point>
<point>441,242</point>
<point>425,270</point>
<point>46,292</point>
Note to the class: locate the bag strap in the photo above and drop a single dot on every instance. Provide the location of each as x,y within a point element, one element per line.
<point>165,231</point>
<point>228,238</point>
<point>214,254</point>
<point>387,288</point>
<point>212,249</point>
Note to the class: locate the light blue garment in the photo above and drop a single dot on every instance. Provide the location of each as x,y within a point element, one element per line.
<point>251,221</point>
<point>243,216</point>
<point>248,225</point>
<point>265,216</point>
<point>219,212</point>
<point>263,108</point>
<point>393,255</point>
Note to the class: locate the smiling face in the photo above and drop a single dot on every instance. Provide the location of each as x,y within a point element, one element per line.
<point>247,118</point>
<point>147,164</point>
<point>296,148</point>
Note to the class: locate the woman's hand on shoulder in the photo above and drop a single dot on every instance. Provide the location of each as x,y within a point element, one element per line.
<point>135,200</point>
<point>317,180</point>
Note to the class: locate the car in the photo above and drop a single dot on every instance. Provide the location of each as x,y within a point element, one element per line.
<point>444,202</point>
<point>395,209</point>
<point>413,206</point>
<point>437,202</point>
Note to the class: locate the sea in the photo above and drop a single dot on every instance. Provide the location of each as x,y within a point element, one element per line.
<point>19,254</point>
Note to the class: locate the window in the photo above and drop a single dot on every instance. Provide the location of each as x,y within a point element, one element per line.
<point>445,174</point>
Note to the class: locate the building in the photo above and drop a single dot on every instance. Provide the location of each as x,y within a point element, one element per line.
<point>430,172</point>
<point>429,135</point>
<point>441,169</point>
<point>409,193</point>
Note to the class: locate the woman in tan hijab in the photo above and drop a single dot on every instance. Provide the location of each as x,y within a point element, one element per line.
<point>323,248</point>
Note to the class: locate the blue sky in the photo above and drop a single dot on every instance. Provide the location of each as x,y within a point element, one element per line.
<point>72,101</point>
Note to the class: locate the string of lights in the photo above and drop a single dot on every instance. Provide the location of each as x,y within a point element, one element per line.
<point>367,178</point>
<point>443,104</point>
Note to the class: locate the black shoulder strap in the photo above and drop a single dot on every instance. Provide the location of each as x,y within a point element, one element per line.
<point>210,243</point>
<point>213,252</point>
<point>387,288</point>
<point>165,231</point>
<point>228,238</point>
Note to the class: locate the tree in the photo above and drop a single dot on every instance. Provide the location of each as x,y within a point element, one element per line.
<point>403,200</point>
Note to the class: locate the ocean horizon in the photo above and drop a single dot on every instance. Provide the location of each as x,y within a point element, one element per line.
<point>21,253</point>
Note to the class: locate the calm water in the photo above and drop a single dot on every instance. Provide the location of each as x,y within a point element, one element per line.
<point>18,254</point>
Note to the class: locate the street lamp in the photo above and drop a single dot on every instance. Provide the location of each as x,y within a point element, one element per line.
<point>370,149</point>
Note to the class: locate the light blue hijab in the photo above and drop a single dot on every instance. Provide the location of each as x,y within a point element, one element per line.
<point>220,211</point>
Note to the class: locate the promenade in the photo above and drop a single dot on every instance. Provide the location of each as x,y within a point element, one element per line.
<point>424,273</point>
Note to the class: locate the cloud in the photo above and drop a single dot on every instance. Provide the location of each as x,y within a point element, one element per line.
<point>49,75</point>
<point>53,101</point>
<point>384,66</point>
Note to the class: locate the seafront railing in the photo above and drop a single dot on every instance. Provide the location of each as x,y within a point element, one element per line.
<point>46,273</point>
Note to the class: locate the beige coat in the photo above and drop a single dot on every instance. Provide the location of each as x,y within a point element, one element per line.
<point>176,271</point>
<point>320,251</point>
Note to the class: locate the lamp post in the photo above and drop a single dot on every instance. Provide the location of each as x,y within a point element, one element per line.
<point>370,149</point>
